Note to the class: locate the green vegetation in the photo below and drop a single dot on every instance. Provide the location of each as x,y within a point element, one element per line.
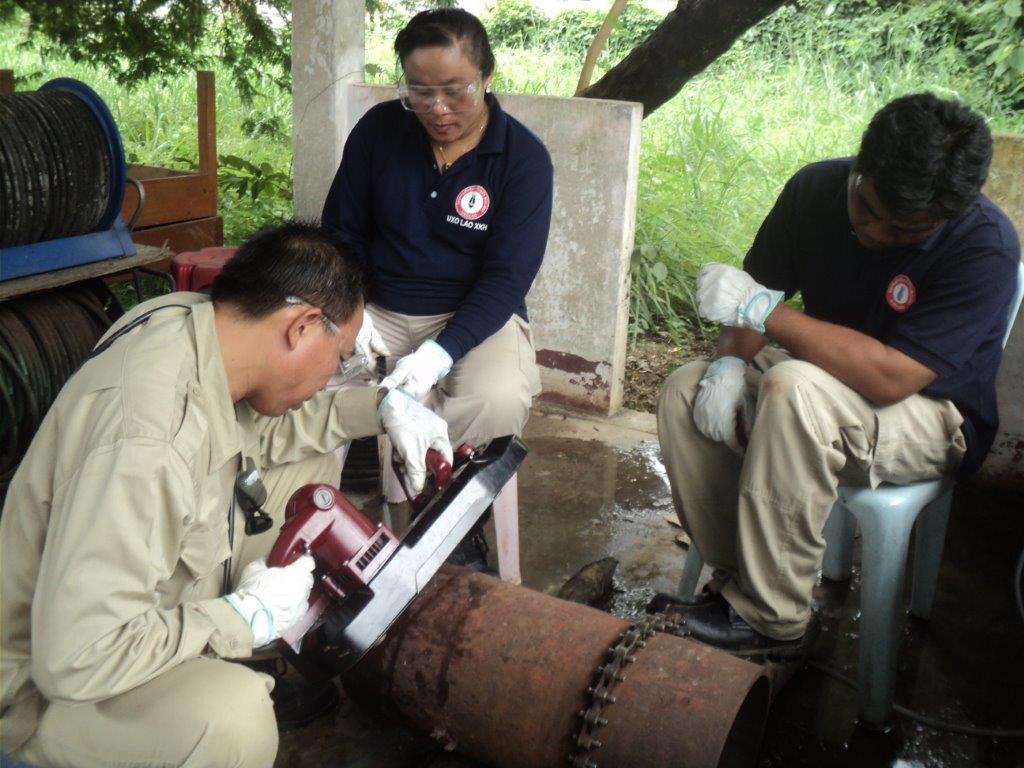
<point>136,40</point>
<point>517,25</point>
<point>800,86</point>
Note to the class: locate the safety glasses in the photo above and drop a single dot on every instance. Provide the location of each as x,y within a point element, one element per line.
<point>329,324</point>
<point>454,97</point>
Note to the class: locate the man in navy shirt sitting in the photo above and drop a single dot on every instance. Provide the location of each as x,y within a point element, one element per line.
<point>888,374</point>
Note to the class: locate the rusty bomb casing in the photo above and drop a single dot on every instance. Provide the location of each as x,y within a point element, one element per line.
<point>502,673</point>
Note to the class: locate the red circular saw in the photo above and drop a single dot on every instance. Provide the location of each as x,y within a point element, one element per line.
<point>365,575</point>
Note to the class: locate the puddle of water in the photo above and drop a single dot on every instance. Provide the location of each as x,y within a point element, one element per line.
<point>581,500</point>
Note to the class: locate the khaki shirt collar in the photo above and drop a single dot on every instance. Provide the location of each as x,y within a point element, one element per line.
<point>225,440</point>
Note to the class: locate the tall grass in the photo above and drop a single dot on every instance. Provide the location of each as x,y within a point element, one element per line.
<point>799,87</point>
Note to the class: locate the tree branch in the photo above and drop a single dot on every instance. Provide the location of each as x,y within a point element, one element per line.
<point>691,37</point>
<point>597,45</point>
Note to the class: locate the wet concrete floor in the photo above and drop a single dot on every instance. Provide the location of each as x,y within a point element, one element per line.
<point>594,488</point>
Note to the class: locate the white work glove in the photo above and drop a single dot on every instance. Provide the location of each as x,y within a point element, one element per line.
<point>418,372</point>
<point>722,400</point>
<point>271,600</point>
<point>369,342</point>
<point>413,429</point>
<point>730,296</point>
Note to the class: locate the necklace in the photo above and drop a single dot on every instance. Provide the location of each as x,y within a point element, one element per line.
<point>445,164</point>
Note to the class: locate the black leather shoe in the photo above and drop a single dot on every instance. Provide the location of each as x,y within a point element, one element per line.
<point>714,622</point>
<point>471,553</point>
<point>663,602</point>
<point>297,702</point>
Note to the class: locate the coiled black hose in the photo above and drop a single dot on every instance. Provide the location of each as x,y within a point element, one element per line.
<point>55,167</point>
<point>44,337</point>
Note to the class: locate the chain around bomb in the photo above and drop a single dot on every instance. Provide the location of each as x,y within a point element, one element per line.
<point>609,675</point>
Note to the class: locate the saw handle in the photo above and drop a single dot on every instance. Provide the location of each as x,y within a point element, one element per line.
<point>439,474</point>
<point>348,548</point>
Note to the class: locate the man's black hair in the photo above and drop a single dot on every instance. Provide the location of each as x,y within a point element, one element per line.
<point>447,28</point>
<point>926,154</point>
<point>299,259</point>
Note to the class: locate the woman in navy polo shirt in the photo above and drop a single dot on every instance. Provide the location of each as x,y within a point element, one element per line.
<point>448,200</point>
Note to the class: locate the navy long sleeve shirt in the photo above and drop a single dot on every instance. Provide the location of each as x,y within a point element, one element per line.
<point>468,241</point>
<point>944,303</point>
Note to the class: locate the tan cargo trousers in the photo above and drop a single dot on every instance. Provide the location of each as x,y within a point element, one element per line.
<point>204,713</point>
<point>489,391</point>
<point>758,519</point>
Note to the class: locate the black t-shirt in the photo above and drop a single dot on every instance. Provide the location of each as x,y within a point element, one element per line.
<point>944,303</point>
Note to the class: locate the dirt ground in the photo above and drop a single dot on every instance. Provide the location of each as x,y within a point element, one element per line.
<point>650,359</point>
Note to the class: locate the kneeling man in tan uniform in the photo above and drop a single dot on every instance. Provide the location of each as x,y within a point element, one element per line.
<point>132,567</point>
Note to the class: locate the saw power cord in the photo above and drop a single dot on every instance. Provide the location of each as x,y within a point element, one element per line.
<point>917,717</point>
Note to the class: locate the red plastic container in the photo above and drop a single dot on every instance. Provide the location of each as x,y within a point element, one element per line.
<point>194,270</point>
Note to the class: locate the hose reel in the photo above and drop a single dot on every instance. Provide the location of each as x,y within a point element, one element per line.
<point>44,338</point>
<point>62,180</point>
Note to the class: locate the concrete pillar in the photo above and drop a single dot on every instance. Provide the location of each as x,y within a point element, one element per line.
<point>327,56</point>
<point>1004,466</point>
<point>579,304</point>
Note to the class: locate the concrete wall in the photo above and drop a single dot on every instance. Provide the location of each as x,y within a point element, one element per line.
<point>1004,466</point>
<point>580,301</point>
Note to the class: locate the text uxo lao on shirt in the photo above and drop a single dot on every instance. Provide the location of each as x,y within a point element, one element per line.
<point>478,225</point>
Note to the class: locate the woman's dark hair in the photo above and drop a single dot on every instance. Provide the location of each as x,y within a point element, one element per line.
<point>447,28</point>
<point>926,154</point>
<point>297,259</point>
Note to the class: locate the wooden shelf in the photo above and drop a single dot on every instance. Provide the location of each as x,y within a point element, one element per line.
<point>20,286</point>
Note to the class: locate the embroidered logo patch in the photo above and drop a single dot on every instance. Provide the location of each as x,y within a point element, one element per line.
<point>901,293</point>
<point>472,202</point>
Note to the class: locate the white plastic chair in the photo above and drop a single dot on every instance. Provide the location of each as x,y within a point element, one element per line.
<point>885,516</point>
